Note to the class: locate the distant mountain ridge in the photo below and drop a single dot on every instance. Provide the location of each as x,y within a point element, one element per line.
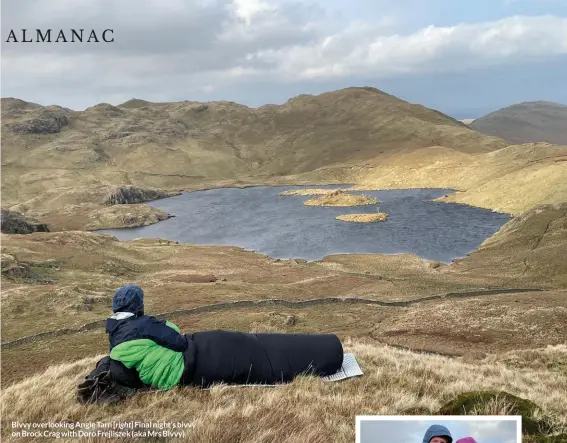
<point>58,164</point>
<point>183,144</point>
<point>526,122</point>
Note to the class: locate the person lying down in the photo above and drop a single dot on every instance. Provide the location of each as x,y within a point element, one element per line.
<point>149,353</point>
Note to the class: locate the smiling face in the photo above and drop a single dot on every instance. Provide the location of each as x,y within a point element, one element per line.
<point>439,440</point>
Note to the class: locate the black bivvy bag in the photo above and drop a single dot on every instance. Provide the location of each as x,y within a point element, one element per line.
<point>227,357</point>
<point>241,358</point>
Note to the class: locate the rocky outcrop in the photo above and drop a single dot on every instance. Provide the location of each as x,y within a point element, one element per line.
<point>30,273</point>
<point>124,216</point>
<point>12,268</point>
<point>127,195</point>
<point>15,223</point>
<point>341,198</point>
<point>46,122</point>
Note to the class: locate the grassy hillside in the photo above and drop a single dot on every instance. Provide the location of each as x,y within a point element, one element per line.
<point>497,315</point>
<point>66,280</point>
<point>526,122</point>
<point>309,410</point>
<point>533,243</point>
<point>52,151</point>
<point>58,164</point>
<point>512,180</point>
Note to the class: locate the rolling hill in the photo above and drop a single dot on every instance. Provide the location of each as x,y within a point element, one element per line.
<point>538,121</point>
<point>60,165</point>
<point>58,286</point>
<point>48,149</point>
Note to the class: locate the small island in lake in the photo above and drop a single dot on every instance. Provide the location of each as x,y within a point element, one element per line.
<point>364,218</point>
<point>308,192</point>
<point>341,198</point>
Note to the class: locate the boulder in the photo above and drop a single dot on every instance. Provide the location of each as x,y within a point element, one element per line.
<point>127,195</point>
<point>290,320</point>
<point>14,223</point>
<point>46,122</point>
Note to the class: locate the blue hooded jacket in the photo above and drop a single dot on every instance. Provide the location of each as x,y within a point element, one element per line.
<point>129,298</point>
<point>153,348</point>
<point>129,322</point>
<point>437,431</point>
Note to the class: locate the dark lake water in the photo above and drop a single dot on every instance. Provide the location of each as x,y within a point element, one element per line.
<point>282,227</point>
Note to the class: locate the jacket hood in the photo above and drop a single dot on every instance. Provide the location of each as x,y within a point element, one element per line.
<point>129,298</point>
<point>466,440</point>
<point>114,320</point>
<point>437,431</point>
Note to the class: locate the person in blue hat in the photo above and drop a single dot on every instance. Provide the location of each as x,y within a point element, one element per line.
<point>437,434</point>
<point>156,354</point>
<point>153,347</point>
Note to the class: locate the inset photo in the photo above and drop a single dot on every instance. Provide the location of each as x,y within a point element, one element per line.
<point>439,429</point>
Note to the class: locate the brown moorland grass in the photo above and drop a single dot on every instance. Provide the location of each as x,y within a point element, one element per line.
<point>510,180</point>
<point>307,410</point>
<point>341,198</point>
<point>62,270</point>
<point>466,327</point>
<point>66,279</point>
<point>85,268</point>
<point>364,218</point>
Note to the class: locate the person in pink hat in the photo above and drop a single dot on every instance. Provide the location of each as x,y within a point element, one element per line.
<point>466,440</point>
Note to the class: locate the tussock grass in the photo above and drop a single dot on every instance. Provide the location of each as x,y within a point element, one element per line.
<point>495,406</point>
<point>364,218</point>
<point>341,198</point>
<point>551,358</point>
<point>307,410</point>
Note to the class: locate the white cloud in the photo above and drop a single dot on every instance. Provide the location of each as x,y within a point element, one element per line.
<point>354,53</point>
<point>502,431</point>
<point>205,45</point>
<point>247,9</point>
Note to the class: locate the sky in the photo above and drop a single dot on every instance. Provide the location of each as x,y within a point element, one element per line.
<point>461,57</point>
<point>412,431</point>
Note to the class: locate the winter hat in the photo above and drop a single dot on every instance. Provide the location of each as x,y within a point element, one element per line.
<point>466,440</point>
<point>129,299</point>
<point>437,431</point>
